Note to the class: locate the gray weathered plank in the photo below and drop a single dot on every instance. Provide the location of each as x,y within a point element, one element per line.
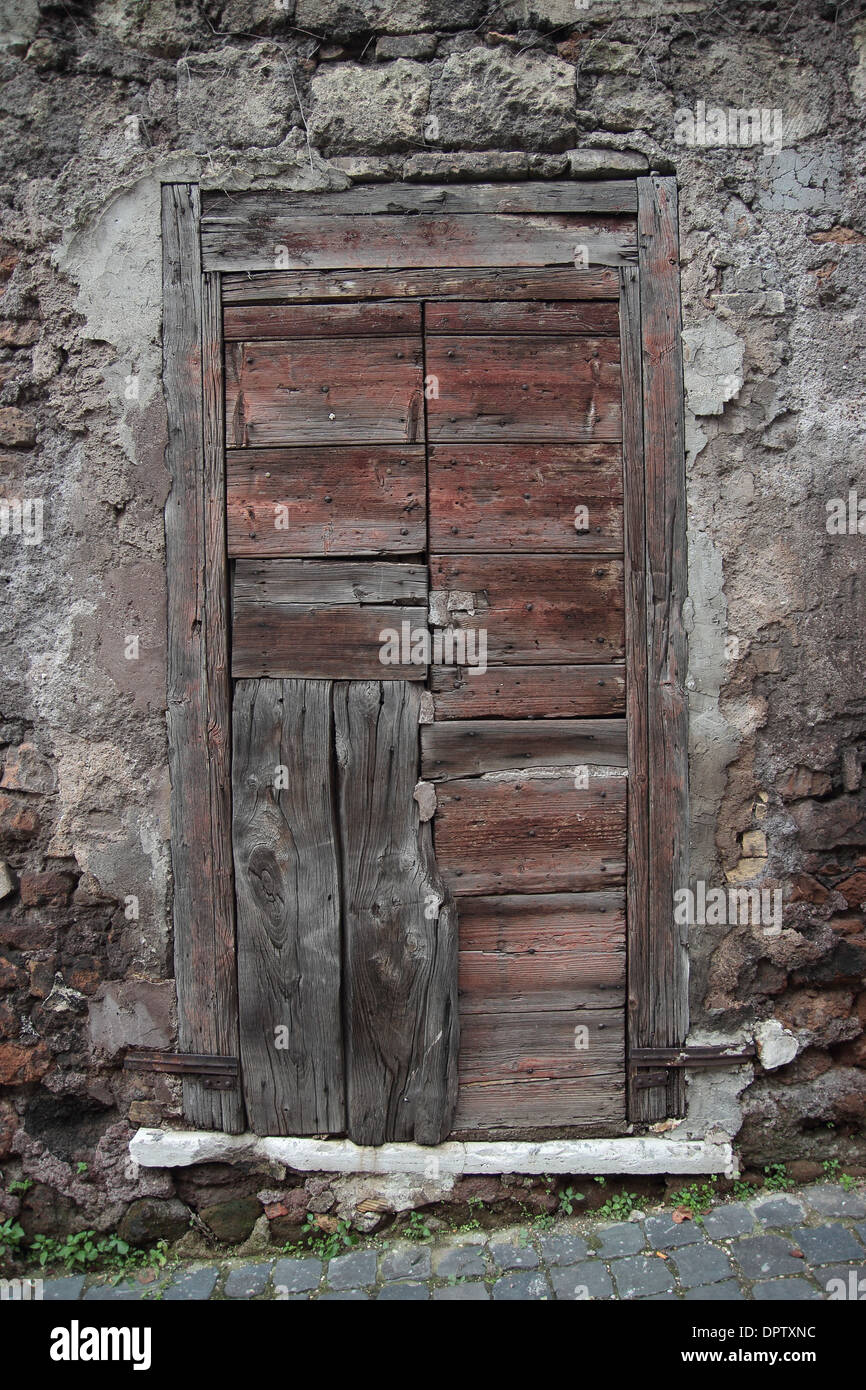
<point>661,1010</point>
<point>197,675</point>
<point>469,747</point>
<point>357,241</point>
<point>400,927</point>
<point>605,196</point>
<point>496,283</point>
<point>285,844</point>
<point>325,582</point>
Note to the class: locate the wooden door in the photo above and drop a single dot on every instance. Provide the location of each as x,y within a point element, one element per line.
<point>438,521</point>
<point>355,432</point>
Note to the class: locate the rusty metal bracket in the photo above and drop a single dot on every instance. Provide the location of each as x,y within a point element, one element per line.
<point>215,1073</point>
<point>649,1066</point>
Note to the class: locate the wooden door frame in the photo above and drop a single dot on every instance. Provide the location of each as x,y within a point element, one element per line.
<point>237,234</point>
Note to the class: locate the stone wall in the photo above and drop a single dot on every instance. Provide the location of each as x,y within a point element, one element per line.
<point>101,100</point>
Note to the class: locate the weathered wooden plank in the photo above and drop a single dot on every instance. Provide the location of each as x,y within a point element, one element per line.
<point>512,833</point>
<point>593,1104</point>
<point>498,283</point>
<point>361,501</point>
<point>527,692</point>
<point>400,927</point>
<point>338,641</point>
<point>595,317</point>
<point>534,609</point>
<point>327,582</point>
<point>285,844</point>
<point>660,1015</point>
<point>512,1045</point>
<point>327,391</point>
<point>466,747</point>
<point>605,196</point>
<point>640,1102</point>
<point>196,675</point>
<point>365,242</point>
<point>543,952</point>
<point>251,322</point>
<point>528,388</point>
<point>526,497</point>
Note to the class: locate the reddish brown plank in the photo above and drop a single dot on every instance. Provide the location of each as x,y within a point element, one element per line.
<point>534,609</point>
<point>466,748</point>
<point>287,241</point>
<point>334,642</point>
<point>338,390</point>
<point>596,317</point>
<point>542,952</point>
<point>255,321</point>
<point>523,388</point>
<point>526,497</point>
<point>510,833</point>
<point>497,283</point>
<point>349,501</point>
<point>514,1046</point>
<point>591,1104</point>
<point>527,692</point>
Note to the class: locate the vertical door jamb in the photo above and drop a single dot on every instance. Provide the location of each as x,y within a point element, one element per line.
<point>197,677</point>
<point>654,449</point>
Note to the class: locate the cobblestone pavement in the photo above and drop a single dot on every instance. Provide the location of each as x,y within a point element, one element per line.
<point>808,1244</point>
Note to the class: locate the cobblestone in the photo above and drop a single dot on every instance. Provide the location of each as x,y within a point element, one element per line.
<point>737,1253</point>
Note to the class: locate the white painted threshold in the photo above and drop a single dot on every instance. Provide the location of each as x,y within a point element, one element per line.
<point>178,1148</point>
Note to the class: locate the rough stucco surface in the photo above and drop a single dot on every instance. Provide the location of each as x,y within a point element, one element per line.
<point>99,102</point>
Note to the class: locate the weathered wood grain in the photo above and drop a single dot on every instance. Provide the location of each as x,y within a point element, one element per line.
<point>333,390</point>
<point>660,1013</point>
<point>593,1104</point>
<point>343,501</point>
<point>327,582</point>
<point>517,1046</point>
<point>336,641</point>
<point>531,834</point>
<point>541,952</point>
<point>526,497</point>
<point>288,894</point>
<point>497,283</point>
<point>594,317</point>
<point>196,674</point>
<point>528,388</point>
<point>304,241</point>
<point>527,692</point>
<point>400,927</point>
<point>251,322</point>
<point>465,748</point>
<point>636,665</point>
<point>604,196</point>
<point>536,609</point>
